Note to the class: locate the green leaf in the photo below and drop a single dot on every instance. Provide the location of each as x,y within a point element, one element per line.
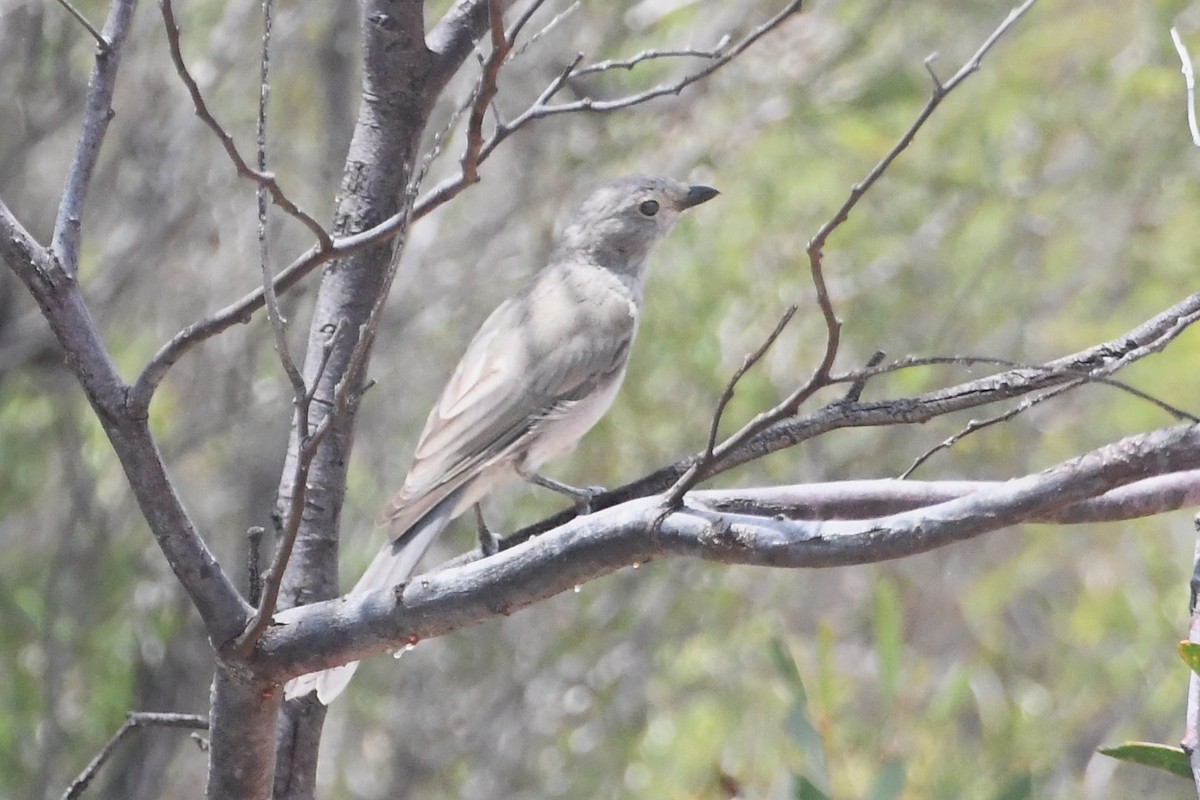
<point>787,667</point>
<point>797,723</point>
<point>1190,652</point>
<point>1150,754</point>
<point>889,637</point>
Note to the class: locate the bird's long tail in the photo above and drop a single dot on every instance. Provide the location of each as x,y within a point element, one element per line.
<point>394,564</point>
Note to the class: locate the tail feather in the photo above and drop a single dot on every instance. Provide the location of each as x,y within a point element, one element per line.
<point>394,564</point>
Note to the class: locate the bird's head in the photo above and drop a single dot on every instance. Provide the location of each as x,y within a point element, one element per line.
<point>620,222</point>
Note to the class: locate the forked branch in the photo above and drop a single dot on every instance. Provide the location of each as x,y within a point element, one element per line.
<point>709,462</point>
<point>264,179</point>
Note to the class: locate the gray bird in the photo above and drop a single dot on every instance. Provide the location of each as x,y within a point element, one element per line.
<point>541,371</point>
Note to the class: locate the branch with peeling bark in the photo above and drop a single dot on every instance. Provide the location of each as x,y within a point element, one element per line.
<point>1145,339</point>
<point>325,634</point>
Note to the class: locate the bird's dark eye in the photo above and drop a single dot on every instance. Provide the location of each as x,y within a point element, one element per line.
<point>649,208</point>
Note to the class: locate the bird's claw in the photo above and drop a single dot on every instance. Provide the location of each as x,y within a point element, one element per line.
<point>489,543</point>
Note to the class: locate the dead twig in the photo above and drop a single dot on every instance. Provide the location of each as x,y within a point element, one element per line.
<point>747,362</point>
<point>709,463</point>
<point>134,720</point>
<point>485,92</point>
<point>274,316</point>
<point>101,42</point>
<point>542,106</point>
<point>346,396</point>
<point>264,179</point>
<point>545,29</point>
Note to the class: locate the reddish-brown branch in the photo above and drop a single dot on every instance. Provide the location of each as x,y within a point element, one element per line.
<point>485,92</point>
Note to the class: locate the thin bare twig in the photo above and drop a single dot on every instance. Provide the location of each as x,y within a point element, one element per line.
<point>346,395</point>
<point>860,383</point>
<point>515,30</point>
<point>264,179</point>
<point>274,315</point>
<point>651,55</point>
<point>545,29</point>
<point>68,222</point>
<point>1098,375</point>
<point>748,362</point>
<point>101,42</point>
<point>974,426</point>
<point>720,57</point>
<point>1093,376</point>
<point>542,108</point>
<point>940,91</point>
<point>485,92</point>
<point>268,586</point>
<point>1189,78</point>
<point>820,377</point>
<point>133,721</point>
<point>909,362</point>
<point>240,311</point>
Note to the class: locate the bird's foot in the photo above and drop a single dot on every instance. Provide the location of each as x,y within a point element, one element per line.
<point>489,543</point>
<point>581,497</point>
<point>583,503</point>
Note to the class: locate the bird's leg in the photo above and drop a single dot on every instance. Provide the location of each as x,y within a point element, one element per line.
<point>582,497</point>
<point>488,543</point>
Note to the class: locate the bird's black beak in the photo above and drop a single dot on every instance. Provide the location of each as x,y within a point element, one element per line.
<point>699,194</point>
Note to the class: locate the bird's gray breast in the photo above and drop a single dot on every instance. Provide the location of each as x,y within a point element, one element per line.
<point>582,322</point>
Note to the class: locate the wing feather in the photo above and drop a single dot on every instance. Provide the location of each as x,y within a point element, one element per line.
<point>519,371</point>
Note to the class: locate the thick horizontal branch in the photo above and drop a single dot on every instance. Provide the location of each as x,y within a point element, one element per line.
<point>333,632</point>
<point>1102,359</point>
<point>864,499</point>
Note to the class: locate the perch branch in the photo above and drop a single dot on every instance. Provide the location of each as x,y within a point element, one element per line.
<point>324,634</point>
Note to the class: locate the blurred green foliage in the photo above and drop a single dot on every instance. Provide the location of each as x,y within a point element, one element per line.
<point>1049,204</point>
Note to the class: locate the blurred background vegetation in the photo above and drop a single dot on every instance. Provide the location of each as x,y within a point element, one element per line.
<point>1050,204</point>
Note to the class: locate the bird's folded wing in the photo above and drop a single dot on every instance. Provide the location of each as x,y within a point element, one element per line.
<point>503,387</point>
